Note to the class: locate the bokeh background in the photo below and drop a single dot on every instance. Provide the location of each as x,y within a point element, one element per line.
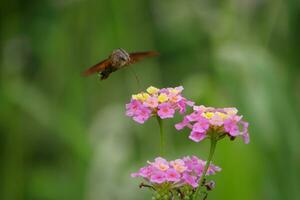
<point>67,137</point>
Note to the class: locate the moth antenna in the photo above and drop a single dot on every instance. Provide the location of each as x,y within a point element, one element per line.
<point>136,78</point>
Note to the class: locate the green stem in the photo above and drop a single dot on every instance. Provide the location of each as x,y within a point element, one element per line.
<point>162,140</point>
<point>213,143</point>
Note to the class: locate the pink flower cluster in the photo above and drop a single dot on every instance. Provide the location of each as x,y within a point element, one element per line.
<point>180,172</point>
<point>207,120</point>
<point>162,102</point>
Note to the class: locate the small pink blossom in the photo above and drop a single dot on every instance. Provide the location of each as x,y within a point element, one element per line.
<point>182,104</point>
<point>197,136</point>
<point>132,107</point>
<point>246,137</point>
<point>199,168</point>
<point>151,102</point>
<point>165,111</point>
<point>245,132</point>
<point>160,163</point>
<point>212,169</point>
<point>201,125</point>
<point>179,89</point>
<point>182,124</point>
<point>158,177</point>
<point>178,165</point>
<point>172,175</point>
<point>216,120</point>
<point>231,127</point>
<point>191,180</point>
<point>144,172</point>
<point>193,117</point>
<point>200,109</point>
<point>142,114</point>
<point>175,98</point>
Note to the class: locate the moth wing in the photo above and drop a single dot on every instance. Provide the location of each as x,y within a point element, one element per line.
<point>137,56</point>
<point>99,67</point>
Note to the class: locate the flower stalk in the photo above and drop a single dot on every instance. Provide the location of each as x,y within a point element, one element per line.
<point>162,136</point>
<point>213,143</point>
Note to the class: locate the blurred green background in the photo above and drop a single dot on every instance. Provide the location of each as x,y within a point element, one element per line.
<point>67,137</point>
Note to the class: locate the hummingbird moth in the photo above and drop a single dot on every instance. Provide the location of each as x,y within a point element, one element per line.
<point>118,59</point>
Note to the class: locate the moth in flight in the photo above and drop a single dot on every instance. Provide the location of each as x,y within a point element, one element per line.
<point>118,59</point>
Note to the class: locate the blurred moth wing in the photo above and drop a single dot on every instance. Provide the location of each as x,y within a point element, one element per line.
<point>137,56</point>
<point>99,67</point>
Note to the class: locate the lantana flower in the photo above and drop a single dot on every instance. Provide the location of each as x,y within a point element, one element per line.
<point>161,102</point>
<point>205,121</point>
<point>180,175</point>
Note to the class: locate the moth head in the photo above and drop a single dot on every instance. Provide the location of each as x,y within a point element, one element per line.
<point>120,57</point>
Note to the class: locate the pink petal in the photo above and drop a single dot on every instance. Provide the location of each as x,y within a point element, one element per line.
<point>197,136</point>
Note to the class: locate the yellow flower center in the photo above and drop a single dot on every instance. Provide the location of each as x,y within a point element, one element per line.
<point>141,96</point>
<point>145,96</point>
<point>163,167</point>
<point>174,91</point>
<point>208,115</point>
<point>152,90</point>
<point>162,98</point>
<point>222,115</point>
<point>135,96</point>
<point>179,168</point>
